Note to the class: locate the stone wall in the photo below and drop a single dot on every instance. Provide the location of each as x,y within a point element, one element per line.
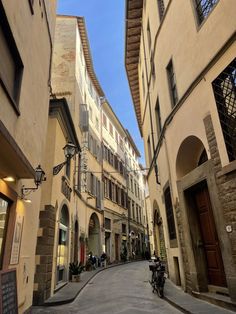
<point>226,184</point>
<point>181,231</point>
<point>44,254</point>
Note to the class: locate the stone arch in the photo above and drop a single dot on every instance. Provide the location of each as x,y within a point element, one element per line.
<point>159,241</point>
<point>94,235</point>
<point>190,155</point>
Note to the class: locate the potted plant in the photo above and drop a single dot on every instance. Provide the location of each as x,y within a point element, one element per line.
<point>76,269</point>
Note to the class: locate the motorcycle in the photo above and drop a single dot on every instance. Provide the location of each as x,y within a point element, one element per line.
<point>158,277</point>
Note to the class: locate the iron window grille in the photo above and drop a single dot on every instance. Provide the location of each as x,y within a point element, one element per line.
<point>203,8</point>
<point>161,8</point>
<point>172,83</point>
<point>224,87</point>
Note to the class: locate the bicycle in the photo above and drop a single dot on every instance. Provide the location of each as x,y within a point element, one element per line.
<point>158,277</point>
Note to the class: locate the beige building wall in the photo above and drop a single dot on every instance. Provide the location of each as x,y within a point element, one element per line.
<point>74,79</point>
<point>177,134</point>
<point>115,212</point>
<point>24,110</point>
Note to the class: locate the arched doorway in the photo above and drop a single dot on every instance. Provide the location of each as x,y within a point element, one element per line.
<point>191,154</point>
<point>159,240</point>
<point>63,242</point>
<point>94,235</point>
<point>203,237</point>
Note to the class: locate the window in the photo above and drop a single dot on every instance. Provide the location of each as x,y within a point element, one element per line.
<point>97,124</point>
<point>133,214</point>
<point>161,8</point>
<point>158,117</point>
<point>224,87</point>
<point>111,129</point>
<point>110,190</point>
<point>84,118</point>
<point>108,223</point>
<point>172,83</point>
<point>12,68</point>
<point>153,70</point>
<point>104,120</point>
<point>149,36</point>
<point>170,214</point>
<point>98,194</point>
<point>123,228</point>
<point>137,216</point>
<point>117,138</point>
<point>203,8</point>
<point>106,187</point>
<point>90,114</point>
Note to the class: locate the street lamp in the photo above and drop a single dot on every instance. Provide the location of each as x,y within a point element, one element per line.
<point>69,151</point>
<point>39,177</point>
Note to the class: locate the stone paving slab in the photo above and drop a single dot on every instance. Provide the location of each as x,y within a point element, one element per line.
<point>189,304</point>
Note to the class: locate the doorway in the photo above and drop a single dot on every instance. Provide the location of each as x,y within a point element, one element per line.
<point>208,238</point>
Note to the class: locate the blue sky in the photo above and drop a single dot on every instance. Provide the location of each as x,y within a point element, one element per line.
<point>105,22</point>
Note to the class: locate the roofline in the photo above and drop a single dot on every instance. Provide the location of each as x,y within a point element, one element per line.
<point>134,12</point>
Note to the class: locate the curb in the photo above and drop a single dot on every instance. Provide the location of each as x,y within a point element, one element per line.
<point>177,306</point>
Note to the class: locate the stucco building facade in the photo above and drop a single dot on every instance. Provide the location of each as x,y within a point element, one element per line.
<point>180,61</point>
<point>25,82</point>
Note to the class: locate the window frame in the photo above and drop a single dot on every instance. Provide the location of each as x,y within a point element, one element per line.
<point>172,83</point>
<point>16,59</point>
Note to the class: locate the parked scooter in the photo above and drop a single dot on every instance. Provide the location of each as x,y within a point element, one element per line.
<point>158,276</point>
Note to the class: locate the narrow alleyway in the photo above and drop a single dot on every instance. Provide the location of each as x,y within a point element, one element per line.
<point>124,289</point>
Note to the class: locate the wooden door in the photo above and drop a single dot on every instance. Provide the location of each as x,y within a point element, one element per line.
<point>209,241</point>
